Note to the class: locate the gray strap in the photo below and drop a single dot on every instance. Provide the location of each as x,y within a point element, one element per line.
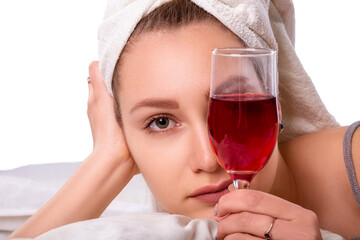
<point>349,160</point>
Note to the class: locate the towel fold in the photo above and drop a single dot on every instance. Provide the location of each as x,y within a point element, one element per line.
<point>259,23</point>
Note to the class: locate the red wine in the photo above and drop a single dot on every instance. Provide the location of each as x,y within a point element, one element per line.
<point>243,130</point>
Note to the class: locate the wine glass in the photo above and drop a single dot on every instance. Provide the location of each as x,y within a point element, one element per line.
<point>243,119</point>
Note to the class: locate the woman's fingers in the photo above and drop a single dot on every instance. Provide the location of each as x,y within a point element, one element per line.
<point>107,134</point>
<point>247,200</point>
<point>244,222</point>
<point>241,236</point>
<point>256,213</point>
<point>94,69</point>
<point>95,77</point>
<point>97,88</point>
<point>231,187</point>
<point>256,225</point>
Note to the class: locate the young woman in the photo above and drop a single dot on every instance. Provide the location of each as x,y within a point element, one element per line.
<point>159,128</point>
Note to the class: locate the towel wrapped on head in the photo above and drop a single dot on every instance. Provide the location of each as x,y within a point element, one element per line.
<point>259,23</point>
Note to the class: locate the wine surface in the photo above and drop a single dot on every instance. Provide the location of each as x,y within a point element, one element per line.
<point>243,130</point>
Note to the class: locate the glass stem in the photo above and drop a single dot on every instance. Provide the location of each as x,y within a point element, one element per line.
<point>241,184</point>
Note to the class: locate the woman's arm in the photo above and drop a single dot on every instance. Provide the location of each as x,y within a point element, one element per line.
<point>99,179</point>
<point>318,166</point>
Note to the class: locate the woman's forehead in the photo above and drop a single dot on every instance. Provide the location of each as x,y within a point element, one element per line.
<point>169,61</point>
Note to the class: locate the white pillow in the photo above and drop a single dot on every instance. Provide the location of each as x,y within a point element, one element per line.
<point>136,226</point>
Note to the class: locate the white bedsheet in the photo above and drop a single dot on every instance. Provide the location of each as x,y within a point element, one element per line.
<point>132,215</point>
<point>142,226</point>
<point>135,226</point>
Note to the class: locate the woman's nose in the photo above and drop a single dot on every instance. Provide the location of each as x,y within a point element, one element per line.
<point>202,157</point>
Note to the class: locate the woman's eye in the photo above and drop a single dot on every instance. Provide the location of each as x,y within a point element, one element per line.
<point>161,123</point>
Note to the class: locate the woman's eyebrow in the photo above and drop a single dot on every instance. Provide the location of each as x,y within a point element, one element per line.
<point>232,81</point>
<point>166,103</point>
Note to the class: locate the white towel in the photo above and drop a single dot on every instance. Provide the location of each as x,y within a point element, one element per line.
<point>259,23</point>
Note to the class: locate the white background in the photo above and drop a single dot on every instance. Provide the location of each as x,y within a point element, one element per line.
<point>46,47</point>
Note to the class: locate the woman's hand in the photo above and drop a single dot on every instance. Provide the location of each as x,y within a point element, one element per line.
<point>107,135</point>
<point>248,214</point>
<point>99,178</point>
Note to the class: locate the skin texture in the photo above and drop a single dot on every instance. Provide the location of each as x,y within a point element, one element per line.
<point>318,167</point>
<point>180,154</point>
<point>105,172</point>
<point>304,186</point>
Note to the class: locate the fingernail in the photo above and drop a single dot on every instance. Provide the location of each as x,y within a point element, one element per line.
<point>216,210</point>
<point>231,187</point>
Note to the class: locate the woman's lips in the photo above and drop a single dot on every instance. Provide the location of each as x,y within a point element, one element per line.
<point>211,193</point>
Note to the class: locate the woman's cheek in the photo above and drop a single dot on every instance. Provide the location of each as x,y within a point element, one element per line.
<point>157,155</point>
<point>162,161</point>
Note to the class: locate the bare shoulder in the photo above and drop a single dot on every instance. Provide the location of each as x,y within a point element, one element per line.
<point>317,164</point>
<point>323,147</point>
<point>319,145</point>
<point>316,160</point>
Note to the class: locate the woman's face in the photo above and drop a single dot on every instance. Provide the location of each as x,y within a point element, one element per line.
<point>164,92</point>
